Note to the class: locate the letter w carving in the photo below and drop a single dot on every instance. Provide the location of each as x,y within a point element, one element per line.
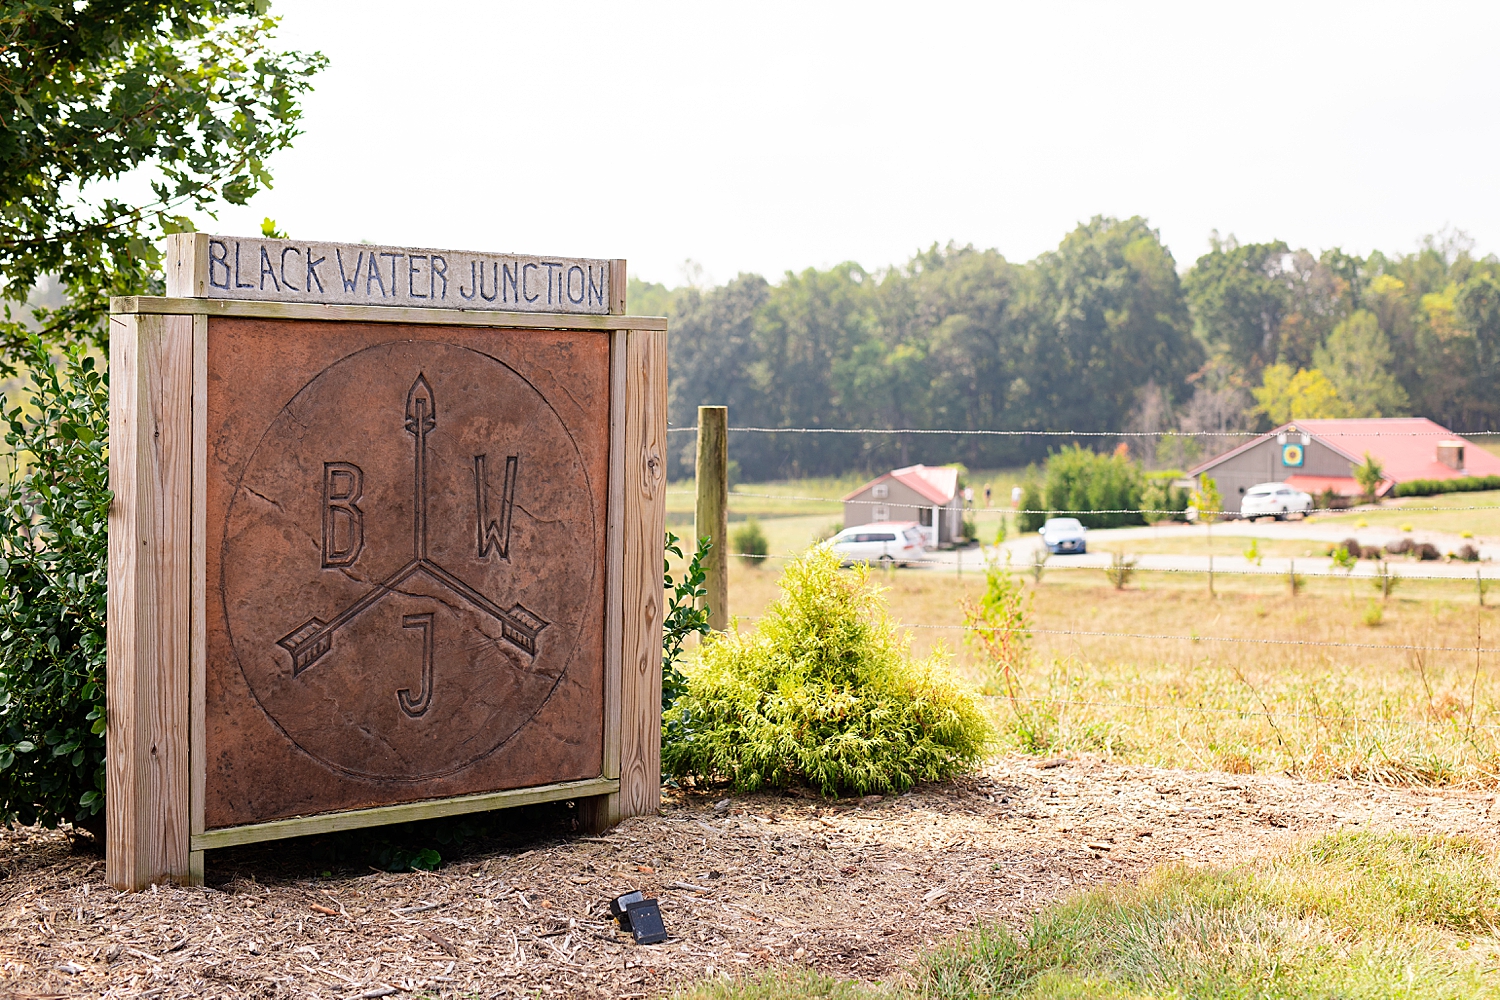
<point>494,535</point>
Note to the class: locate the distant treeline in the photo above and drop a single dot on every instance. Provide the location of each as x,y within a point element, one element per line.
<point>1101,334</point>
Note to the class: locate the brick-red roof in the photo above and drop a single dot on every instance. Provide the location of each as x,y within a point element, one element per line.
<point>937,483</point>
<point>1406,446</point>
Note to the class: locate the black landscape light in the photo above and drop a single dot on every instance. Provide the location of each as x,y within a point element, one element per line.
<point>640,916</point>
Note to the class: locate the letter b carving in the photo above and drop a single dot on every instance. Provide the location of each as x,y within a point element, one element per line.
<point>343,521</point>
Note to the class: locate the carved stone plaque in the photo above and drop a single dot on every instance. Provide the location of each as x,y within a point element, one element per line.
<point>406,565</point>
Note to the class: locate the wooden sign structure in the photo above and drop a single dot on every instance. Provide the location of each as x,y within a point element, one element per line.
<point>386,545</point>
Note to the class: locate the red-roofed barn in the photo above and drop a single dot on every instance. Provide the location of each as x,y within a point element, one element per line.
<point>925,494</point>
<point>1318,455</point>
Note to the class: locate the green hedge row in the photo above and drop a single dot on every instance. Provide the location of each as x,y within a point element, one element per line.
<point>1429,487</point>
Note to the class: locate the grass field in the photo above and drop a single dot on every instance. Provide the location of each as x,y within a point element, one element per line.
<point>1343,915</point>
<point>1303,703</point>
<point>1439,513</point>
<point>1386,714</point>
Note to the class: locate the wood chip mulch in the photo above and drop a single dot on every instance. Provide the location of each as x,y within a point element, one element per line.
<point>855,888</point>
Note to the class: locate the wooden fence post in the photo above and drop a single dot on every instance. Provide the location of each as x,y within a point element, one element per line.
<point>711,518</point>
<point>147,810</point>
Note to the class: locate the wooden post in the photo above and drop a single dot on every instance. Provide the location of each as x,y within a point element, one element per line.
<point>1479,582</point>
<point>1210,575</point>
<point>644,540</point>
<point>147,811</point>
<point>711,518</point>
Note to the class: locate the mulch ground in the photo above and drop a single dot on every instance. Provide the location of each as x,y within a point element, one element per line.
<point>856,888</point>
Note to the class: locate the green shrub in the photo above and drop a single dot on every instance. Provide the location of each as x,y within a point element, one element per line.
<point>1158,495</point>
<point>1033,514</point>
<point>1078,480</point>
<point>824,692</point>
<point>53,552</point>
<point>750,542</point>
<point>1432,487</point>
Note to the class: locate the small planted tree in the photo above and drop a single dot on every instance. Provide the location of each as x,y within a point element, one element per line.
<point>1039,557</point>
<point>999,630</point>
<point>1385,579</point>
<point>1206,502</point>
<point>1120,569</point>
<point>998,626</point>
<point>1369,474</point>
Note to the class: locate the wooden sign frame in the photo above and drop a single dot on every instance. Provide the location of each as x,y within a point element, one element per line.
<point>157,661</point>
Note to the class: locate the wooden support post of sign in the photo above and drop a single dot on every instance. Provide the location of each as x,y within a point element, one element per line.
<point>162,534</point>
<point>711,518</point>
<point>150,600</point>
<point>644,541</point>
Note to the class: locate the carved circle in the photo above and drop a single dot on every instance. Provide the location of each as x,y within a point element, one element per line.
<point>362,629</point>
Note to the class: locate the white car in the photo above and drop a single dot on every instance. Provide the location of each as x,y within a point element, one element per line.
<point>1274,500</point>
<point>886,543</point>
<point>1064,535</point>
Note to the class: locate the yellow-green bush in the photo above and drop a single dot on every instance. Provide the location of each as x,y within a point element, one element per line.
<point>824,692</point>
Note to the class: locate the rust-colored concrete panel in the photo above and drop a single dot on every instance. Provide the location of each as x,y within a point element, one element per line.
<point>405,563</point>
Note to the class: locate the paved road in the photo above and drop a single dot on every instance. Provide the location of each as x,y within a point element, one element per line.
<point>1227,557</point>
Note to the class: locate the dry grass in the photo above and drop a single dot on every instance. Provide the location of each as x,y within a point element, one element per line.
<point>1397,716</point>
<point>1438,513</point>
<point>1183,540</point>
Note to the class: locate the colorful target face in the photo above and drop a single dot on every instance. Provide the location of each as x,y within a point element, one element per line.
<point>1292,455</point>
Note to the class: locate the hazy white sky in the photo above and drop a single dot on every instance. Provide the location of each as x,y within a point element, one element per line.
<point>763,137</point>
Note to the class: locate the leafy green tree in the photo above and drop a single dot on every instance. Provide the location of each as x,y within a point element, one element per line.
<point>808,324</point>
<point>1161,501</point>
<point>1356,358</point>
<point>1306,395</point>
<point>189,93</point>
<point>970,316</point>
<point>645,298</point>
<point>1478,307</point>
<point>1239,296</point>
<point>1431,304</point>
<point>1113,317</point>
<point>710,355</point>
